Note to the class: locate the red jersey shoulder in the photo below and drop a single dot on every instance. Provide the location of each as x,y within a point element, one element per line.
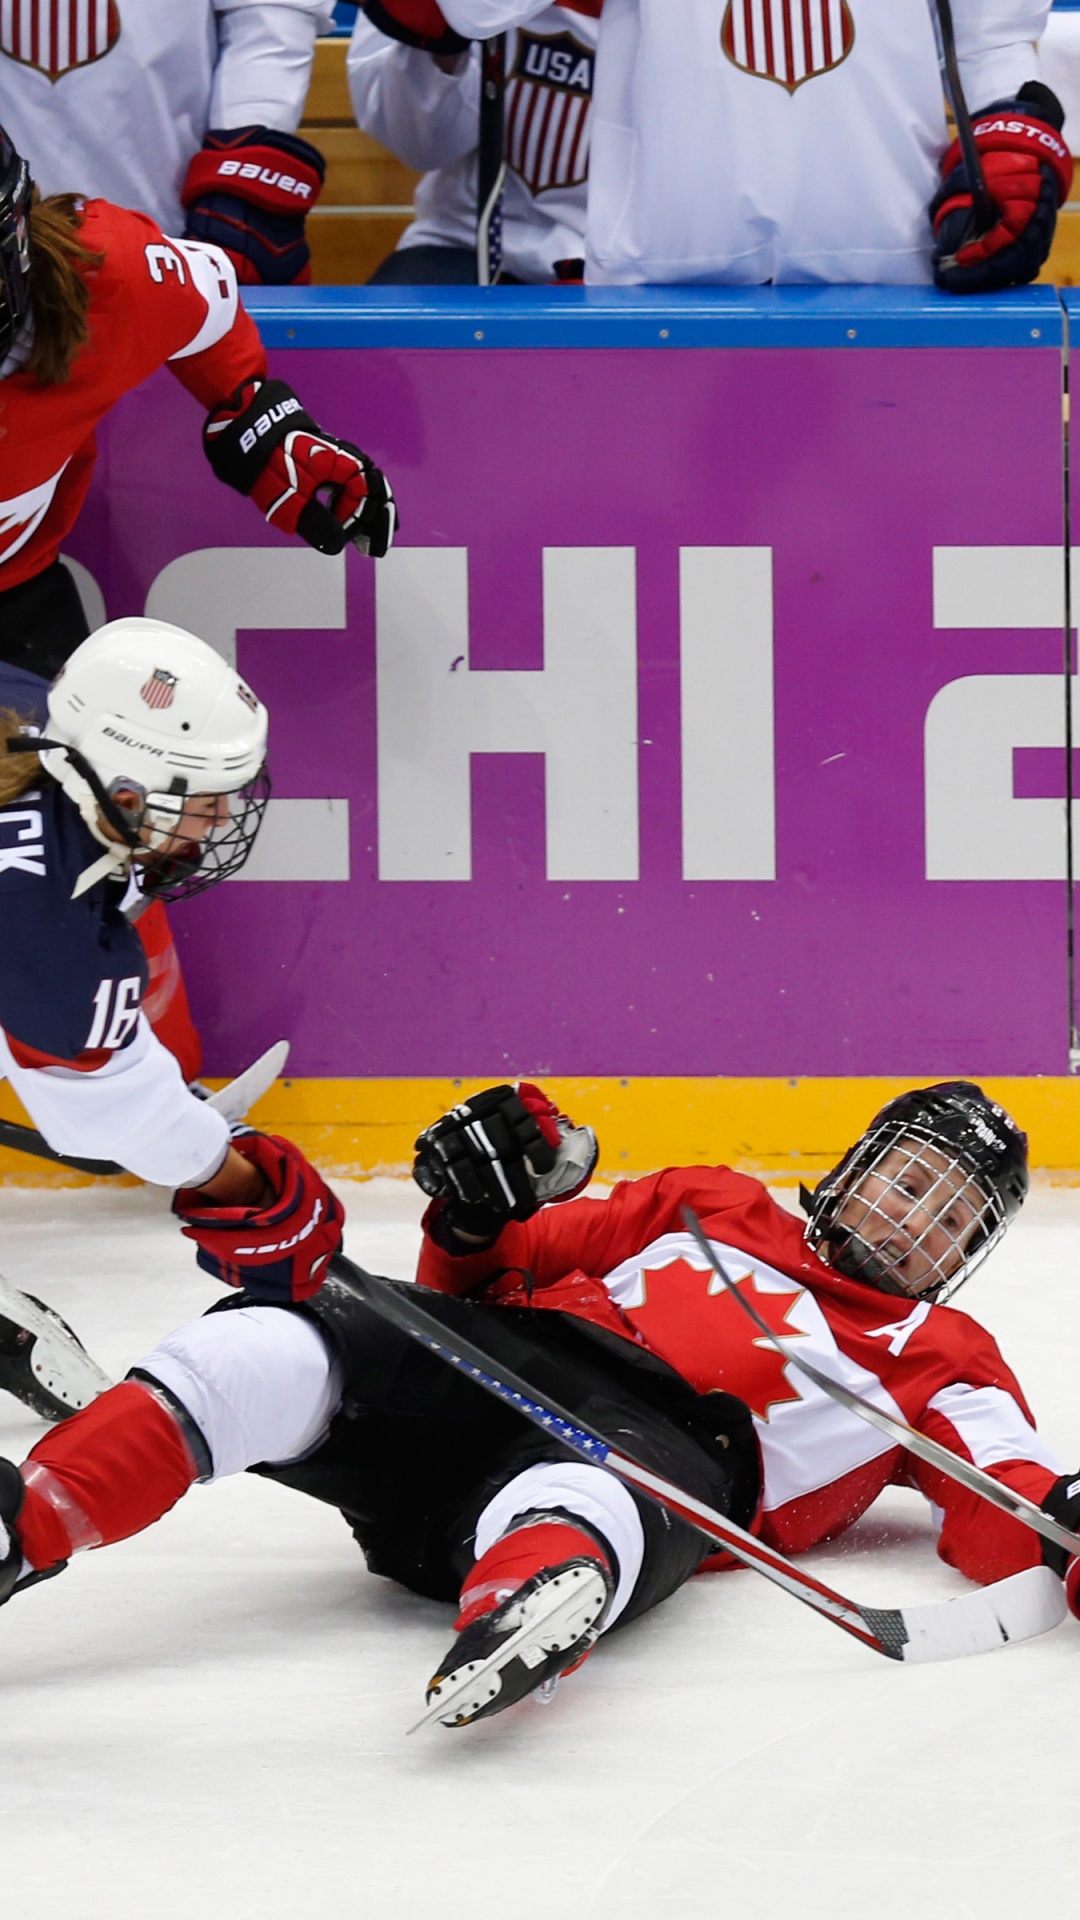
<point>975,1354</point>
<point>142,292</point>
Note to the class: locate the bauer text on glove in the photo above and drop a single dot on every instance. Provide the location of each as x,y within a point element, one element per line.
<point>248,190</point>
<point>263,443</point>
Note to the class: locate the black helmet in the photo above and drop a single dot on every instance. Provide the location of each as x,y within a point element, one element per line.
<point>978,1158</point>
<point>15,190</point>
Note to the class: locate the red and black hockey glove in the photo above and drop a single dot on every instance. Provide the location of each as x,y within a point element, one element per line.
<point>417,23</point>
<point>278,1250</point>
<point>248,191</point>
<point>263,443</point>
<point>1062,1503</point>
<point>501,1155</point>
<point>1028,172</point>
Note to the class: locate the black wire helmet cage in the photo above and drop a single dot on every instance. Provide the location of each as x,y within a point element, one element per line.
<point>183,872</point>
<point>878,1257</point>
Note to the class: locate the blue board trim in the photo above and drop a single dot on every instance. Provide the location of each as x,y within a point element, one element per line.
<point>660,317</point>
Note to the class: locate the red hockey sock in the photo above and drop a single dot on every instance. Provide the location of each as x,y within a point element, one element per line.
<point>518,1557</point>
<point>106,1473</point>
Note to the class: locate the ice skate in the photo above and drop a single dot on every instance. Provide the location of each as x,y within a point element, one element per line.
<point>42,1362</point>
<point>15,1574</point>
<point>518,1636</point>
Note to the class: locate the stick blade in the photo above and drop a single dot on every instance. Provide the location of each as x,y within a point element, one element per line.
<point>236,1100</point>
<point>1020,1608</point>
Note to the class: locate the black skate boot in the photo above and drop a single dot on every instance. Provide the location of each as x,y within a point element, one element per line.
<point>12,1577</point>
<point>42,1362</point>
<point>531,1610</point>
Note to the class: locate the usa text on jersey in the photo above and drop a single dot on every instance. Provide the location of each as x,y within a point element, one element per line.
<point>548,95</point>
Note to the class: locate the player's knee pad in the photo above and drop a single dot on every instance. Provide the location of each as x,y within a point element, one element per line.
<point>259,1383</point>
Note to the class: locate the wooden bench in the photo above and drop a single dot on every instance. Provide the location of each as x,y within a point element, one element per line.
<point>366,203</point>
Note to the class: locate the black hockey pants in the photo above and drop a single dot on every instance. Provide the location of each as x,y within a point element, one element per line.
<point>418,1449</point>
<point>42,622</point>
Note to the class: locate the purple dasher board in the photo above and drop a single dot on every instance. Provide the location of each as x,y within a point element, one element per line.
<point>707,718</point>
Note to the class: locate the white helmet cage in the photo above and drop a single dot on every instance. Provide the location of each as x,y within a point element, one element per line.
<point>957,1176</point>
<point>145,711</point>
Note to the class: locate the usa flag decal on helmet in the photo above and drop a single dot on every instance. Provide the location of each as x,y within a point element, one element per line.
<point>789,41</point>
<point>56,35</point>
<point>158,691</point>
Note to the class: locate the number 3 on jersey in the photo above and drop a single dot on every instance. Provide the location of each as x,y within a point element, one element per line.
<point>116,1010</point>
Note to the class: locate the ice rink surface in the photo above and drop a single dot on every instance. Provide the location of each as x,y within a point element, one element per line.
<point>210,1720</point>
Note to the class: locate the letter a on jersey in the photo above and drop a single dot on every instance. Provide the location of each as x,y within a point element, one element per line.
<point>789,41</point>
<point>56,35</point>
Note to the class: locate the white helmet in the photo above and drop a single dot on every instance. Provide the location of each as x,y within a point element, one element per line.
<point>145,711</point>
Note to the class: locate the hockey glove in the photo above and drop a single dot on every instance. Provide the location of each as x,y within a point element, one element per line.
<point>248,191</point>
<point>264,444</point>
<point>278,1250</point>
<point>501,1155</point>
<point>1028,171</point>
<point>1062,1503</point>
<point>417,23</point>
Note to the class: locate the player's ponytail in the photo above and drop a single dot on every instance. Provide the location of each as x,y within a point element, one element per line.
<point>18,771</point>
<point>59,293</point>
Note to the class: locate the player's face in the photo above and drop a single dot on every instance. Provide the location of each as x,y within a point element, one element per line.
<point>918,1210</point>
<point>202,813</point>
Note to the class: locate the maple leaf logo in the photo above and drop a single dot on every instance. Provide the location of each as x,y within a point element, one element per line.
<point>690,1319</point>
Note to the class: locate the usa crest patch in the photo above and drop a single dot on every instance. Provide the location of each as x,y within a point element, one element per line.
<point>548,95</point>
<point>789,41</point>
<point>56,36</point>
<point>159,690</point>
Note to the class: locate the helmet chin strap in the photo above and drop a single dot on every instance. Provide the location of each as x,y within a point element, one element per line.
<point>115,815</point>
<point>115,856</point>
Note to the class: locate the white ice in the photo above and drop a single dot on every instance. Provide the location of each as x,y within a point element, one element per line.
<point>209,1720</point>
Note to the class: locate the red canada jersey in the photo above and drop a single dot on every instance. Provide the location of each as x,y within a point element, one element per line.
<point>627,1263</point>
<point>153,302</point>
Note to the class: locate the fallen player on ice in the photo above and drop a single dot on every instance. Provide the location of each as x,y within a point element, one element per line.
<point>454,1494</point>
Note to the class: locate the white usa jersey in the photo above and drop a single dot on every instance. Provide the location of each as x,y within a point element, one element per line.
<point>429,119</point>
<point>110,98</point>
<point>742,141</point>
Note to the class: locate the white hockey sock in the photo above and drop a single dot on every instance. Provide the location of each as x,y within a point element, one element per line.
<point>591,1495</point>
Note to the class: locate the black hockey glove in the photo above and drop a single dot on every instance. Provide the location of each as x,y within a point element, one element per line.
<point>263,443</point>
<point>501,1155</point>
<point>1028,172</point>
<point>1062,1503</point>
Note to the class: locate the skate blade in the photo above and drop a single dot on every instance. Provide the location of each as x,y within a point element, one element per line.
<point>576,1600</point>
<point>58,1360</point>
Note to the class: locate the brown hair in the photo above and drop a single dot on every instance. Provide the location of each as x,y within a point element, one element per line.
<point>18,771</point>
<point>59,293</point>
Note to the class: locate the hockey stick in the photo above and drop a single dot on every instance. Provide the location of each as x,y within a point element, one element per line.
<point>29,1140</point>
<point>234,1101</point>
<point>904,1436</point>
<point>984,212</point>
<point>1029,1603</point>
<point>490,160</point>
